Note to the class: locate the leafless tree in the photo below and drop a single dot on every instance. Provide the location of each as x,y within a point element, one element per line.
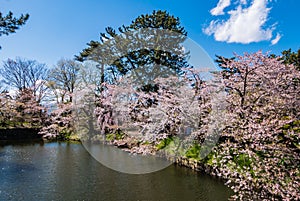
<point>62,79</point>
<point>25,74</point>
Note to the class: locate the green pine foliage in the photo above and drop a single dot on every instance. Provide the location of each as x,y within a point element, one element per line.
<point>9,24</point>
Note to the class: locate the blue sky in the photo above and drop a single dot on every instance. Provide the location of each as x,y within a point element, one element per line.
<point>61,28</point>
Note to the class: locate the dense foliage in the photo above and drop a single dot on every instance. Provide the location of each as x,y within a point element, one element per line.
<point>259,153</point>
<point>136,47</point>
<point>21,111</point>
<point>59,124</point>
<point>290,57</point>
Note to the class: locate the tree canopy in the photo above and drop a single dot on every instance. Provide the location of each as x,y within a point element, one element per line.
<point>290,57</point>
<point>120,53</point>
<point>287,56</point>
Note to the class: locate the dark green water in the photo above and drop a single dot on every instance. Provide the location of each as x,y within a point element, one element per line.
<point>66,171</point>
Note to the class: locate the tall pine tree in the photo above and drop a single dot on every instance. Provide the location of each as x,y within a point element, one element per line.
<point>120,52</point>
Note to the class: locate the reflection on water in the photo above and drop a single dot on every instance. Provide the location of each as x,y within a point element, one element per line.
<point>125,162</point>
<point>66,171</point>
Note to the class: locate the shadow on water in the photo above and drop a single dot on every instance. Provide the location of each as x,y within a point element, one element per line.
<point>66,171</point>
<point>21,142</point>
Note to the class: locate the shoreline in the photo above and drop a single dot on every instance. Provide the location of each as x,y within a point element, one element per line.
<point>19,134</point>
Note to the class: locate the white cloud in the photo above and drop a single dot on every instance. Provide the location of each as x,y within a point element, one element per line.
<point>276,39</point>
<point>245,25</point>
<point>219,9</point>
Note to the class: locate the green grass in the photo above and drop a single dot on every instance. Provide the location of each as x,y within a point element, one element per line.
<point>194,151</point>
<point>115,136</point>
<point>164,143</point>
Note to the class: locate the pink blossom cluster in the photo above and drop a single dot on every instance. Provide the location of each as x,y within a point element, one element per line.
<point>23,110</point>
<point>259,152</point>
<point>60,123</point>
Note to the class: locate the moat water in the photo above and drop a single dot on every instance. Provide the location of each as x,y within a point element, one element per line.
<point>66,171</point>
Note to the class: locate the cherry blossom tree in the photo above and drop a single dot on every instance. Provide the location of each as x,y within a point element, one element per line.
<point>62,83</point>
<point>7,109</point>
<point>59,124</point>
<point>259,152</point>
<point>21,111</point>
<point>29,111</point>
